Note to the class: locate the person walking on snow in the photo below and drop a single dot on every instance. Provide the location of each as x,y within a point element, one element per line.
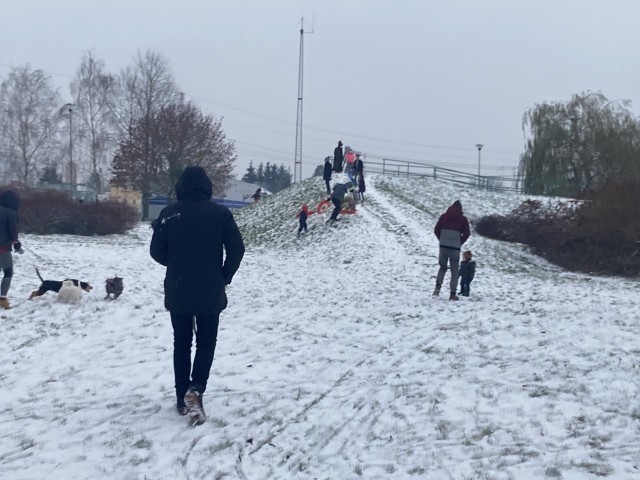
<point>326,174</point>
<point>338,158</point>
<point>302,216</point>
<point>452,230</point>
<point>190,238</point>
<point>9,206</point>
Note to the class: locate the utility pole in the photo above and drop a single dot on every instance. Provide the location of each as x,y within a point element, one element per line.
<point>69,108</point>
<point>479,147</point>
<point>297,170</point>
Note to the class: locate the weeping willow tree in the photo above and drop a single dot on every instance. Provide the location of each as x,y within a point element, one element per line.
<point>577,146</point>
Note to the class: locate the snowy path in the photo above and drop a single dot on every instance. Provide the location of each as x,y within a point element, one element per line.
<point>329,365</point>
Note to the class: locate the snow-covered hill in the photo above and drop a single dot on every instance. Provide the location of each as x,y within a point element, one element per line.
<point>333,361</point>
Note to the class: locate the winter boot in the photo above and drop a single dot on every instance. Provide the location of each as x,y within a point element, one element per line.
<point>182,410</point>
<point>436,292</point>
<point>453,296</point>
<point>193,401</point>
<point>4,303</point>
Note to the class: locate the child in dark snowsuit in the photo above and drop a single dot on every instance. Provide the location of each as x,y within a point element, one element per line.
<point>302,216</point>
<point>467,271</point>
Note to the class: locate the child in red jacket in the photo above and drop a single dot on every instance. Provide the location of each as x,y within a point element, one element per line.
<point>302,216</point>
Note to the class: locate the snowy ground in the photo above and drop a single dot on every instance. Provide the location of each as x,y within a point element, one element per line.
<point>333,361</point>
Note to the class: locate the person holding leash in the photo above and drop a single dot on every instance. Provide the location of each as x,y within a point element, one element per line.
<point>9,206</point>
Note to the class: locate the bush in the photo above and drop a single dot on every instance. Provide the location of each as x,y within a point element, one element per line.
<point>49,211</point>
<point>599,235</point>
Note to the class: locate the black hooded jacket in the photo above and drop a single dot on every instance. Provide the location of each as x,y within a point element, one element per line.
<point>189,238</point>
<point>9,206</point>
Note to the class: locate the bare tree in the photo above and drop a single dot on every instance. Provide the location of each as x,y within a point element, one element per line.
<point>29,121</point>
<point>144,89</point>
<point>94,93</point>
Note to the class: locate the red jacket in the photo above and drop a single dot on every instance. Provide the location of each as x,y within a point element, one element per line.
<point>452,228</point>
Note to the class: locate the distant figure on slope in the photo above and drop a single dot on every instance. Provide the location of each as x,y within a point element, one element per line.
<point>349,158</point>
<point>452,230</point>
<point>338,158</point>
<point>467,271</point>
<point>337,197</point>
<point>256,196</point>
<point>302,216</point>
<point>361,187</point>
<point>326,174</point>
<point>358,166</point>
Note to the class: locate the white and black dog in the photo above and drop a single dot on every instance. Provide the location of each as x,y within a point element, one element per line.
<point>69,292</point>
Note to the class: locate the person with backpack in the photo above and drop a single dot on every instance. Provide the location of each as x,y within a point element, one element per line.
<point>452,230</point>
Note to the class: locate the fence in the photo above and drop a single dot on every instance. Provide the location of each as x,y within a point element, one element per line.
<point>403,168</point>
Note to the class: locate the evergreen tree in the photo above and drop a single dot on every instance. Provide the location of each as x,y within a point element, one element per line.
<point>50,175</point>
<point>251,176</point>
<point>272,177</point>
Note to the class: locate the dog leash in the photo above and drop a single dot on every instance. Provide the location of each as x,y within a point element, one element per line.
<point>35,254</point>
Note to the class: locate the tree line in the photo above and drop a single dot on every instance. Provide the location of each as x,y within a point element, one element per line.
<point>577,147</point>
<point>269,176</point>
<point>134,128</point>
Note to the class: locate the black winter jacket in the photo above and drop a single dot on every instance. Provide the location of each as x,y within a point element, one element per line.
<point>9,205</point>
<point>326,173</point>
<point>188,238</point>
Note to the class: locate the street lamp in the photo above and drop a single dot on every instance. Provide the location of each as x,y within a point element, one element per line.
<point>479,147</point>
<point>69,108</point>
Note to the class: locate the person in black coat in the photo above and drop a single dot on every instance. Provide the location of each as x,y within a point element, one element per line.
<point>326,174</point>
<point>338,158</point>
<point>189,238</point>
<point>358,166</point>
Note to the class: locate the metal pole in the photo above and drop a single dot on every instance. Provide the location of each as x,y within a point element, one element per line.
<point>70,150</point>
<point>479,147</point>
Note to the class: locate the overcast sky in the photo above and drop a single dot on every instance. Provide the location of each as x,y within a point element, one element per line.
<point>414,79</point>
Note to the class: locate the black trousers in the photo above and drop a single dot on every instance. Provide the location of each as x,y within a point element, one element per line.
<point>206,327</point>
<point>465,283</point>
<point>337,205</point>
<point>326,182</point>
<point>303,226</point>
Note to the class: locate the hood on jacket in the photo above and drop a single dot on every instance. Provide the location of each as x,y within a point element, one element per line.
<point>454,211</point>
<point>194,184</point>
<point>10,199</point>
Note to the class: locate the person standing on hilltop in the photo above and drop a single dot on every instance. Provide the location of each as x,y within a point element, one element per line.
<point>452,230</point>
<point>338,158</point>
<point>326,174</point>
